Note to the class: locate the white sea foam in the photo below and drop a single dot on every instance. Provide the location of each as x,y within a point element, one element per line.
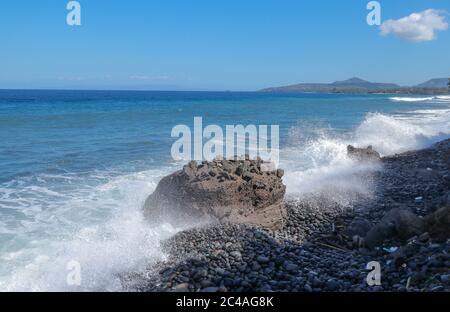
<point>443,98</point>
<point>411,99</point>
<point>320,163</point>
<point>103,230</point>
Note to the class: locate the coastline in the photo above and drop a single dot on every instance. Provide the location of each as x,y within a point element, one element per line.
<point>88,197</point>
<point>320,248</point>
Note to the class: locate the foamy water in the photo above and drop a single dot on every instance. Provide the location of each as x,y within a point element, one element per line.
<point>80,199</point>
<point>411,99</point>
<point>420,99</point>
<point>321,164</point>
<point>114,238</point>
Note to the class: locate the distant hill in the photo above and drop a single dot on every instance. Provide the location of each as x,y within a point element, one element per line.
<point>360,83</point>
<point>357,85</point>
<point>352,84</point>
<point>434,83</point>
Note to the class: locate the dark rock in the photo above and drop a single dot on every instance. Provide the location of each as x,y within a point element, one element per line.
<point>184,287</point>
<point>400,223</point>
<point>359,227</point>
<point>210,289</point>
<point>363,154</point>
<point>263,259</point>
<point>445,278</point>
<point>332,285</point>
<point>291,267</point>
<point>438,223</point>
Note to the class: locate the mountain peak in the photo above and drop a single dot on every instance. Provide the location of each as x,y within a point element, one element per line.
<point>354,84</point>
<point>435,83</point>
<point>353,80</point>
<point>364,84</point>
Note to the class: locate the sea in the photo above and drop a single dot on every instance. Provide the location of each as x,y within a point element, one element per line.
<point>77,166</point>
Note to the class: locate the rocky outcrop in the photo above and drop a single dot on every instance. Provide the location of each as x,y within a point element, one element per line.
<point>237,191</point>
<point>363,154</point>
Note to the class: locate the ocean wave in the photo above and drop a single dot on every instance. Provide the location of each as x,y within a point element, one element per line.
<point>100,227</point>
<point>411,99</point>
<point>439,98</point>
<point>444,98</point>
<point>320,164</point>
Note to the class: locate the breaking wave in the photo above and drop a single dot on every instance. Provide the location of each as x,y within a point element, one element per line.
<point>411,99</point>
<point>439,98</point>
<point>319,163</point>
<point>101,228</point>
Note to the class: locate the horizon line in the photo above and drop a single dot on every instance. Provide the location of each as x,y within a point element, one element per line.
<point>203,90</point>
<point>121,90</point>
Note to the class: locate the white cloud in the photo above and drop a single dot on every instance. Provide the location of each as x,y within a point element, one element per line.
<point>417,27</point>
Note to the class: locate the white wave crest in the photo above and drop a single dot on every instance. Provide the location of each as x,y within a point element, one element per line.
<point>321,164</point>
<point>411,99</point>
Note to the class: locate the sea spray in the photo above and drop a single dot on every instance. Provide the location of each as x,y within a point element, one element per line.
<point>120,241</point>
<point>319,164</point>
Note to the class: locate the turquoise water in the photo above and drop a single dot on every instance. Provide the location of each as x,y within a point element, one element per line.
<point>76,166</point>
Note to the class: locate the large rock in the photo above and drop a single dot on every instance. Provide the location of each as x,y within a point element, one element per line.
<point>403,224</point>
<point>397,223</point>
<point>363,154</point>
<point>438,223</point>
<point>237,191</point>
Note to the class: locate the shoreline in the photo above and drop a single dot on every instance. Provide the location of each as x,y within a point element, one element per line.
<point>318,248</point>
<point>106,198</point>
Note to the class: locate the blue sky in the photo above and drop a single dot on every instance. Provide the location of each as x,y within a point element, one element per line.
<point>211,45</point>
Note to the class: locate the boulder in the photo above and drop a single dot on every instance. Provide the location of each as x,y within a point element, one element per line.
<point>438,223</point>
<point>398,223</point>
<point>403,224</point>
<point>238,191</point>
<point>363,154</point>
